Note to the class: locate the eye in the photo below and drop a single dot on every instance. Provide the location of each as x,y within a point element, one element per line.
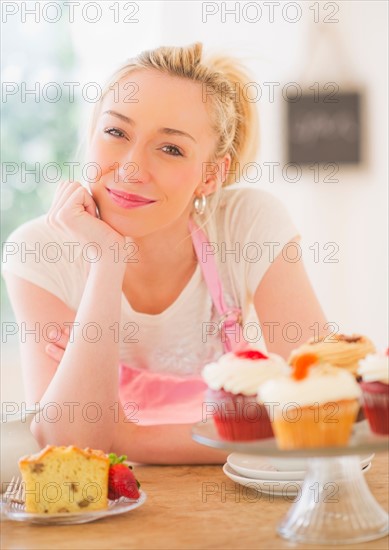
<point>115,132</point>
<point>176,152</point>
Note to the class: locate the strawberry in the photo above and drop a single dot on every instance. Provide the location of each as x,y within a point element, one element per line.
<point>122,482</point>
<point>251,354</point>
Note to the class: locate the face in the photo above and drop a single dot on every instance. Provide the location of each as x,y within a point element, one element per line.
<point>152,139</point>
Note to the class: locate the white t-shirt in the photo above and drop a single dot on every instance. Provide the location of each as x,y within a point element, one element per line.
<point>248,227</point>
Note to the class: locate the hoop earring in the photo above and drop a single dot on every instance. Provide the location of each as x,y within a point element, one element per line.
<point>199,204</point>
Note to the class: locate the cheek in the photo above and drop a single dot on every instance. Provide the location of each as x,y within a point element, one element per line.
<point>183,176</point>
<point>178,185</point>
<point>100,155</point>
<point>101,162</point>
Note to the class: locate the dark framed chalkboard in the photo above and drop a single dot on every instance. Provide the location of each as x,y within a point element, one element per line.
<point>323,127</point>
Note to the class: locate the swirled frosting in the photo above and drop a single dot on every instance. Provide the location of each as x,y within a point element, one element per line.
<point>339,350</point>
<point>374,368</point>
<point>323,384</point>
<point>243,376</point>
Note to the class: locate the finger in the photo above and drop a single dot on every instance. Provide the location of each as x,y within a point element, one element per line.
<point>67,192</point>
<point>57,193</point>
<point>55,352</point>
<point>90,204</point>
<point>75,200</point>
<point>83,201</point>
<point>62,185</point>
<point>63,192</point>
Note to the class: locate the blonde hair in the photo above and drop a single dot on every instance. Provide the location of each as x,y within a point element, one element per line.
<point>233,116</point>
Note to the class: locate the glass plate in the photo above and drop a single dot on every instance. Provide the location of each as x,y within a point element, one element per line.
<point>349,515</point>
<point>16,512</point>
<point>362,441</point>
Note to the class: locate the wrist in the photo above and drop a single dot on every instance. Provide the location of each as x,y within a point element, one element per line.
<point>107,260</point>
<point>120,250</point>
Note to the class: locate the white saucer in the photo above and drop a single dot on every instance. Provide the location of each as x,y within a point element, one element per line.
<point>276,487</point>
<point>259,467</point>
<point>283,488</point>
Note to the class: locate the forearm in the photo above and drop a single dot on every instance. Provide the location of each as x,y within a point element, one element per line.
<point>163,444</point>
<point>287,307</point>
<point>88,371</point>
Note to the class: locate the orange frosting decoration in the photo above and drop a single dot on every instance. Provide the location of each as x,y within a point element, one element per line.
<point>301,365</point>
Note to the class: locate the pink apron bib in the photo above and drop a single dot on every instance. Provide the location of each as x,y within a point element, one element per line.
<point>155,398</point>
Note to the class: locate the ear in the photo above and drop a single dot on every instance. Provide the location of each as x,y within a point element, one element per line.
<point>224,167</point>
<point>214,175</point>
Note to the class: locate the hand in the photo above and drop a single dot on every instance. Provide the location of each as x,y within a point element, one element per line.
<point>56,349</point>
<point>74,211</point>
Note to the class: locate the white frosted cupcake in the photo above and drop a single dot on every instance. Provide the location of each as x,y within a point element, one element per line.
<point>315,406</point>
<point>233,383</point>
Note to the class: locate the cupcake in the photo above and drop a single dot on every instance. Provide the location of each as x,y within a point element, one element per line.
<point>338,349</point>
<point>374,371</point>
<point>233,383</point>
<point>315,406</point>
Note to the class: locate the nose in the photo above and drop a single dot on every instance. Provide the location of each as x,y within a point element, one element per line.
<point>133,166</point>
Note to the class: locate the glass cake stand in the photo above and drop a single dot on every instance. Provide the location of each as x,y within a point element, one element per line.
<point>335,505</point>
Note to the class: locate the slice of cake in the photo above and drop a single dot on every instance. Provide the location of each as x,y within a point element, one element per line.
<point>65,479</point>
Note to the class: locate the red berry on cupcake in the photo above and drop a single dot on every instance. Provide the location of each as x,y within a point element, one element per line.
<point>251,354</point>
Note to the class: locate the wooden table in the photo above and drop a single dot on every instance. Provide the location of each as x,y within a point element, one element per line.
<point>188,507</point>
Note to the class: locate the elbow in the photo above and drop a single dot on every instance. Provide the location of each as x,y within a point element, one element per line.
<point>46,434</point>
<point>37,433</point>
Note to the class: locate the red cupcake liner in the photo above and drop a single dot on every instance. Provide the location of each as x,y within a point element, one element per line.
<point>239,417</point>
<point>375,398</point>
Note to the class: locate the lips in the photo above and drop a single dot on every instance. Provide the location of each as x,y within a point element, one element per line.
<point>129,196</point>
<point>128,200</point>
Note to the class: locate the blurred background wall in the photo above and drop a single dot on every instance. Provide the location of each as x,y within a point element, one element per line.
<point>342,216</point>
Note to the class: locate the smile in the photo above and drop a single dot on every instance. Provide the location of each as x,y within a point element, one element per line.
<point>128,200</point>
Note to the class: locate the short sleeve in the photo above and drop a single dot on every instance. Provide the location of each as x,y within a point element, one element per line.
<point>36,253</point>
<point>259,226</point>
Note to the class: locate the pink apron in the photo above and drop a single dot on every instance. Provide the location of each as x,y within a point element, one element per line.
<point>155,398</point>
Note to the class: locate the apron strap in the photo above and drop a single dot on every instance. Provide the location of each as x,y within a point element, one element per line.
<point>230,322</point>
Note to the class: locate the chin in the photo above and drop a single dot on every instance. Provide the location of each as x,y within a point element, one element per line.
<point>126,227</point>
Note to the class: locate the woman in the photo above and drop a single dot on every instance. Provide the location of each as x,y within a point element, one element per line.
<point>169,134</point>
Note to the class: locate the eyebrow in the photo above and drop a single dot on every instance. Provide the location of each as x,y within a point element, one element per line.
<point>169,131</point>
